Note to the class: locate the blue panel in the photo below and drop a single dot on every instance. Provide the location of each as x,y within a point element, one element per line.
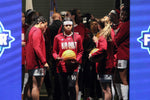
<point>10,49</point>
<point>139,51</point>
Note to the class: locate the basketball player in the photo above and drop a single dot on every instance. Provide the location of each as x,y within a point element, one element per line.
<point>67,74</point>
<point>105,43</point>
<point>36,56</point>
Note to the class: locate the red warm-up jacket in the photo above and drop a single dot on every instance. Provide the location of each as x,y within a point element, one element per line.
<point>122,41</point>
<point>35,49</point>
<point>105,65</point>
<point>62,43</point>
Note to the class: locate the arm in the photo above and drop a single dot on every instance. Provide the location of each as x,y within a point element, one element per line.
<point>79,49</point>
<point>102,45</point>
<point>55,48</point>
<point>122,34</point>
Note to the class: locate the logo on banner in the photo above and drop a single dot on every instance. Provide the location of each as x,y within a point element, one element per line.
<point>144,39</point>
<point>5,39</point>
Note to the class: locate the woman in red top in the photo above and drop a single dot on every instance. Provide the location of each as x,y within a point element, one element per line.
<point>67,74</point>
<point>35,55</point>
<point>105,44</point>
<point>122,42</point>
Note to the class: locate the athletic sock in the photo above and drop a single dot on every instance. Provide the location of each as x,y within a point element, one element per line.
<point>124,91</point>
<point>79,95</point>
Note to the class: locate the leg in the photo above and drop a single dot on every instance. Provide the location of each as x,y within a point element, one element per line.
<point>63,81</point>
<point>117,83</point>
<point>23,75</point>
<point>124,86</point>
<point>26,76</point>
<point>113,90</point>
<point>37,83</point>
<point>77,87</point>
<point>27,88</point>
<point>123,72</point>
<point>72,79</point>
<point>123,76</point>
<point>106,88</point>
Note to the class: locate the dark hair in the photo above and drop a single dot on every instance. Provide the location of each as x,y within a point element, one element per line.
<point>127,10</point>
<point>30,16</point>
<point>113,13</point>
<point>36,21</point>
<point>86,20</point>
<point>74,12</point>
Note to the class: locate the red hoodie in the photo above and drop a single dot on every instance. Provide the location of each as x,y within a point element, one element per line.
<point>105,66</point>
<point>122,41</point>
<point>35,49</point>
<point>62,43</point>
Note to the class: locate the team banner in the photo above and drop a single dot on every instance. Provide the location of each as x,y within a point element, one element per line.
<point>139,50</point>
<point>10,49</point>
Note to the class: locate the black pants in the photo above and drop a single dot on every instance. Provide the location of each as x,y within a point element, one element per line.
<point>65,86</point>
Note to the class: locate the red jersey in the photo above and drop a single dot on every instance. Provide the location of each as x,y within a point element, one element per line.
<point>35,49</point>
<point>105,66</point>
<point>122,41</point>
<point>62,43</point>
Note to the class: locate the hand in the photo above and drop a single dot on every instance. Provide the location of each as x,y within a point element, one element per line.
<point>46,65</point>
<point>23,44</point>
<point>95,39</point>
<point>59,58</point>
<point>90,56</point>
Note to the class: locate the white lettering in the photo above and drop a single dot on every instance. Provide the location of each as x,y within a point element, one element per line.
<point>146,39</point>
<point>3,39</point>
<point>73,77</point>
<point>69,45</point>
<point>64,45</point>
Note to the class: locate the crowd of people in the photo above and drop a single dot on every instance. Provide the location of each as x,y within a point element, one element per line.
<point>101,75</point>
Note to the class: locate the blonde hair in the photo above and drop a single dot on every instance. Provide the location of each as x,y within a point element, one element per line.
<point>106,31</point>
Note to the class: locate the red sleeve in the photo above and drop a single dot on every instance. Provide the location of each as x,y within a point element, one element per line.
<point>55,48</point>
<point>102,45</point>
<point>80,49</point>
<point>122,34</point>
<point>37,37</point>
